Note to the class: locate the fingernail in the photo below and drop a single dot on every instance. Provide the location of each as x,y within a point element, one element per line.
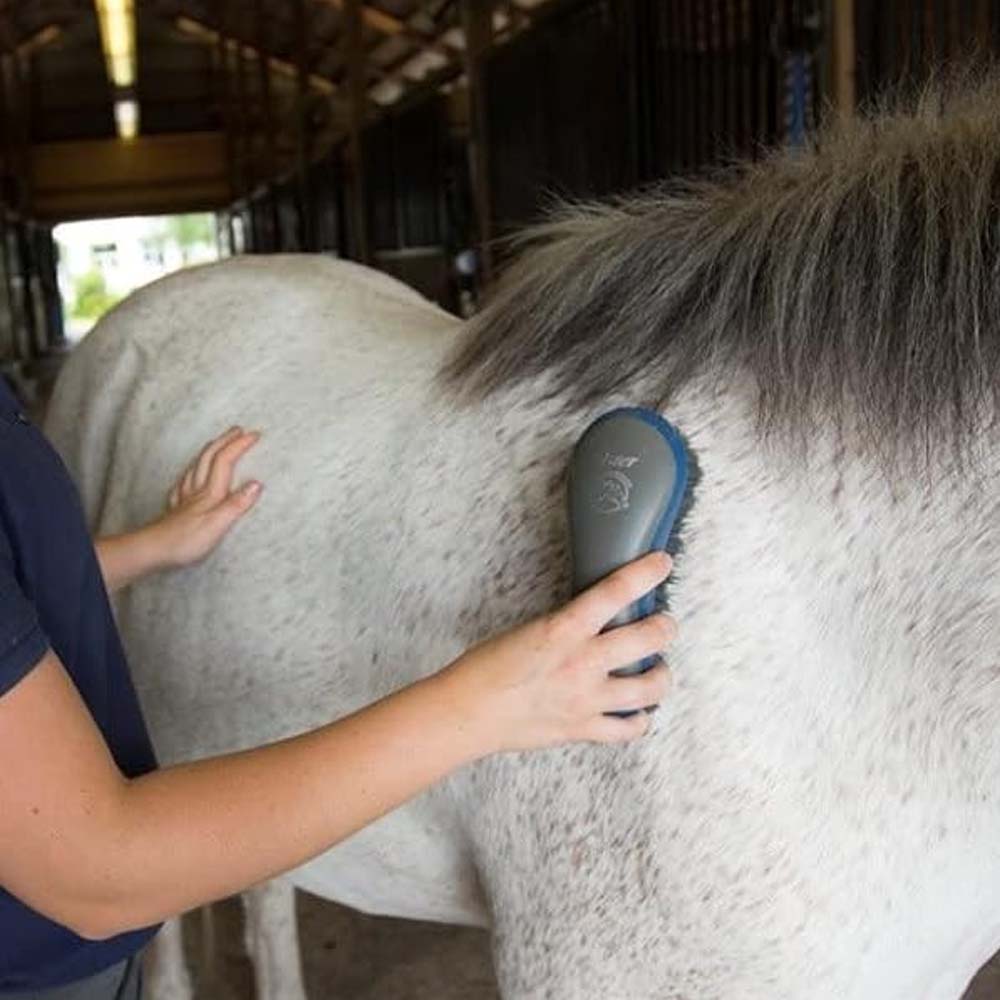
<point>250,488</point>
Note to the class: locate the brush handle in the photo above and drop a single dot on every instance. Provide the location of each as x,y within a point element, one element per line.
<point>627,481</point>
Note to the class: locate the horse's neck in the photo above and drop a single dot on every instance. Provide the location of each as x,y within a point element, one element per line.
<point>878,592</point>
<point>832,730</point>
<point>833,572</point>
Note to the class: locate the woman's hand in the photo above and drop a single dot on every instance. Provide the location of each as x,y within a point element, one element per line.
<point>201,509</point>
<point>548,682</point>
<point>203,505</point>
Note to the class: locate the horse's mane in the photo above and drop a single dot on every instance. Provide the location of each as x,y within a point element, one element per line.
<point>861,273</point>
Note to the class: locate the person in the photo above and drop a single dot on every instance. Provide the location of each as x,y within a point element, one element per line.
<point>98,845</point>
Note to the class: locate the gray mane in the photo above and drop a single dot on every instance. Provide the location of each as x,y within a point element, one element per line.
<point>859,276</point>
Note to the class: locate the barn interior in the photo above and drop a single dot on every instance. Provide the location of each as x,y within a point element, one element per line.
<point>411,136</point>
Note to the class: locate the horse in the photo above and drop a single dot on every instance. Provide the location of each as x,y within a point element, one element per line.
<point>816,812</point>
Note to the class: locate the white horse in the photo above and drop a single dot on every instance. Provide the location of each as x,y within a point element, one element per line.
<point>817,814</point>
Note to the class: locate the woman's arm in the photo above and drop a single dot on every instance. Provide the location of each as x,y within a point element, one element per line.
<point>201,509</point>
<point>102,854</point>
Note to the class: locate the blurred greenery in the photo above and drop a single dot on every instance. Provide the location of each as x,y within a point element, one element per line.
<point>190,231</point>
<point>91,298</point>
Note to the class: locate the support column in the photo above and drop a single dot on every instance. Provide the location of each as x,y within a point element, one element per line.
<point>357,96</point>
<point>267,111</point>
<point>223,90</point>
<point>844,84</point>
<point>477,23</point>
<point>302,137</point>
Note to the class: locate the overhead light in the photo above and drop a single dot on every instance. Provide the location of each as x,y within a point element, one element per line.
<point>127,118</point>
<point>117,21</point>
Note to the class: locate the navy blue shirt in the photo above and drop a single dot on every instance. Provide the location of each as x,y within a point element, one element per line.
<point>52,595</point>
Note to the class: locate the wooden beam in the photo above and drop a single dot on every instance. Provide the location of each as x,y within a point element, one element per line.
<point>477,21</point>
<point>270,137</point>
<point>223,90</point>
<point>387,24</point>
<point>379,20</point>
<point>208,34</point>
<point>17,349</point>
<point>357,87</point>
<point>302,137</point>
<point>395,84</point>
<point>264,86</point>
<point>843,62</point>
<point>244,132</point>
<point>152,174</point>
<point>40,39</point>
<point>22,133</point>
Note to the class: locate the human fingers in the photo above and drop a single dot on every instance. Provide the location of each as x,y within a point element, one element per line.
<point>615,729</point>
<point>203,464</point>
<point>637,691</point>
<point>591,610</point>
<point>223,467</point>
<point>628,643</point>
<point>235,506</point>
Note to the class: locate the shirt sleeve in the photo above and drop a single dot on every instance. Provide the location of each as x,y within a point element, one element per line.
<point>22,641</point>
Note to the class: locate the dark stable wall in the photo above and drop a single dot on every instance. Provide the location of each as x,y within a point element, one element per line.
<point>901,42</point>
<point>609,94</point>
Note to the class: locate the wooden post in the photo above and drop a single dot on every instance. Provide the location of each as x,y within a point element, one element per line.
<point>267,110</point>
<point>22,140</point>
<point>224,91</point>
<point>6,164</point>
<point>302,137</point>
<point>357,95</point>
<point>225,106</point>
<point>17,350</point>
<point>246,136</point>
<point>246,133</point>
<point>22,160</point>
<point>477,22</point>
<point>844,88</point>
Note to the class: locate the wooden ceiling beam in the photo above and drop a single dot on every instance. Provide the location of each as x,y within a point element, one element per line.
<point>38,40</point>
<point>517,20</point>
<point>372,17</point>
<point>209,34</point>
<point>391,26</point>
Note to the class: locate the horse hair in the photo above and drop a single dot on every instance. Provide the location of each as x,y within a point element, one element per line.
<point>858,275</point>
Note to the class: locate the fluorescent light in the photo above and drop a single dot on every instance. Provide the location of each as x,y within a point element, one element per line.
<point>117,21</point>
<point>127,118</point>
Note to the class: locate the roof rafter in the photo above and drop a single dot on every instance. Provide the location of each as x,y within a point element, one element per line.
<point>209,34</point>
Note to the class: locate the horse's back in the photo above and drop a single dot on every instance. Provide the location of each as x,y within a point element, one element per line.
<point>331,362</point>
<point>262,340</point>
<point>334,363</point>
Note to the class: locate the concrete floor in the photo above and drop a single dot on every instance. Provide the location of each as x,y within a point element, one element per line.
<point>348,956</point>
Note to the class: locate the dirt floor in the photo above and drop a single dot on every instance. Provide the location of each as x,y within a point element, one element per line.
<point>348,956</point>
